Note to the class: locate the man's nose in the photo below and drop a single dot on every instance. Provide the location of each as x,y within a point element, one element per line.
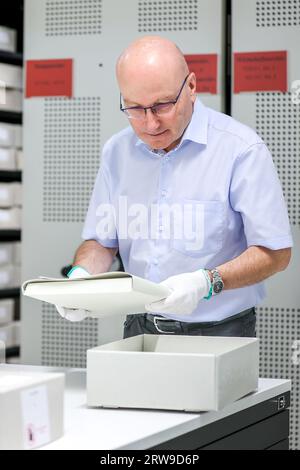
<point>151,119</point>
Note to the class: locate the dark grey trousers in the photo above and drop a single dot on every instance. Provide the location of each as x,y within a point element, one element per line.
<point>242,324</point>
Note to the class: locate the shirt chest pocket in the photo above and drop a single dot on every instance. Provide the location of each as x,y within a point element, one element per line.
<point>200,229</point>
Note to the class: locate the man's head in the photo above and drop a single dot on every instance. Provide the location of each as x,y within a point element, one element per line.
<point>150,71</point>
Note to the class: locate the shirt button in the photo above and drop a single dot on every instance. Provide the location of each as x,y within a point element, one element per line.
<point>161,227</point>
<point>164,193</point>
<point>155,261</point>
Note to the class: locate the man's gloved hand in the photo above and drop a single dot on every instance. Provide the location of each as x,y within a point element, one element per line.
<point>187,290</point>
<point>74,314</point>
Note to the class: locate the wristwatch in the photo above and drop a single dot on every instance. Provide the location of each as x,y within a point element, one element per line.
<point>217,281</point>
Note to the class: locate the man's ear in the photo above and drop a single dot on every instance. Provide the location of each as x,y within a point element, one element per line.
<point>193,85</point>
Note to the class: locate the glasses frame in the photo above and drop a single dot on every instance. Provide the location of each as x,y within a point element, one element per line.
<point>125,110</point>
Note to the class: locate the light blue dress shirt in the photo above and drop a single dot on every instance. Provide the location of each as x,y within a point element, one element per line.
<point>221,174</point>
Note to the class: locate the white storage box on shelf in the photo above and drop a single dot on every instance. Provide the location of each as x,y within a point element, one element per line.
<point>11,76</point>
<point>7,135</point>
<point>8,159</point>
<point>7,194</point>
<point>31,408</point>
<point>191,373</point>
<point>10,276</point>
<point>7,307</point>
<point>8,39</point>
<point>10,334</point>
<point>13,101</point>
<point>7,335</point>
<point>7,255</point>
<point>10,219</point>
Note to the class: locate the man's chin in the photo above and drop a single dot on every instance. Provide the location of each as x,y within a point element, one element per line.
<point>159,142</point>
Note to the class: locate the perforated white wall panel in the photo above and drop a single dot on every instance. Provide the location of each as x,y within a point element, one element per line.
<point>64,18</point>
<point>277,13</point>
<point>260,25</point>
<point>71,156</point>
<point>158,16</point>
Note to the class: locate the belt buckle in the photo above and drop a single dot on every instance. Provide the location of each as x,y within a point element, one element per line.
<point>155,319</point>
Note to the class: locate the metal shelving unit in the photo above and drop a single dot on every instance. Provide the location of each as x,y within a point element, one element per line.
<point>10,235</point>
<point>13,292</point>
<point>11,175</point>
<point>10,117</point>
<point>13,58</point>
<point>12,17</point>
<point>12,352</point>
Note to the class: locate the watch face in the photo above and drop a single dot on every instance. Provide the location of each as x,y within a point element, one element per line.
<point>218,287</point>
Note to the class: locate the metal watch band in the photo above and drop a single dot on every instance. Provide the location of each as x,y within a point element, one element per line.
<point>217,281</point>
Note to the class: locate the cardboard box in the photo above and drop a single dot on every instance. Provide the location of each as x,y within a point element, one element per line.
<point>31,408</point>
<point>172,372</point>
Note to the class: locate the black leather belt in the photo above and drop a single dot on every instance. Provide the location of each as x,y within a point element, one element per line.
<point>161,322</point>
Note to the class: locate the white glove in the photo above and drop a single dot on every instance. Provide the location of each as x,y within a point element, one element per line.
<point>74,314</point>
<point>187,290</point>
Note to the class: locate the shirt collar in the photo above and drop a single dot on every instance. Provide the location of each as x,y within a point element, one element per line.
<point>196,131</point>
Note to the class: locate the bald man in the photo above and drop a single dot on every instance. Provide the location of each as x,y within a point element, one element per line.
<point>189,197</point>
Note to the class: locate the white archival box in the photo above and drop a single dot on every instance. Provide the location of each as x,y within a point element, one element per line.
<point>6,311</point>
<point>31,408</point>
<point>8,39</point>
<point>107,293</point>
<point>7,158</point>
<point>11,75</point>
<point>13,101</point>
<point>172,372</point>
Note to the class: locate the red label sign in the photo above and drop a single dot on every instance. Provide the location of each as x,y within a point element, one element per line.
<point>205,68</point>
<point>49,77</point>
<point>260,71</point>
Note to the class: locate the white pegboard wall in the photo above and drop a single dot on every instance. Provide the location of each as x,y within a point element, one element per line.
<point>278,330</point>
<point>278,123</point>
<point>73,17</point>
<point>163,15</point>
<point>71,156</point>
<point>273,13</point>
<point>64,343</point>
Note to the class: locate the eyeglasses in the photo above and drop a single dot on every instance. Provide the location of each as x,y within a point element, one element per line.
<point>159,109</point>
